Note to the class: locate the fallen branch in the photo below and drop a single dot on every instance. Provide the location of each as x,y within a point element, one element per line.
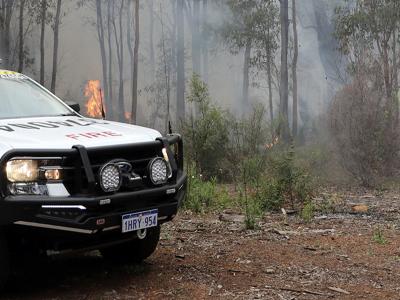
<point>339,290</point>
<point>300,291</point>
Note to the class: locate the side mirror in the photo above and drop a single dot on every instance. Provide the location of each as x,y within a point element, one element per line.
<point>75,106</point>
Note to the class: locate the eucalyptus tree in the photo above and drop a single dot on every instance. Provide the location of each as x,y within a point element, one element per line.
<point>254,28</point>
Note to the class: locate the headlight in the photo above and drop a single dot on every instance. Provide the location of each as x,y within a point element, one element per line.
<point>31,176</point>
<point>22,170</point>
<point>158,171</point>
<point>110,177</point>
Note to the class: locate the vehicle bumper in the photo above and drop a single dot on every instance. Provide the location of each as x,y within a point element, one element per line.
<point>91,215</point>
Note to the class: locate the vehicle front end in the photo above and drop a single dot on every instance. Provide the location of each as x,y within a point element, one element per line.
<point>89,198</point>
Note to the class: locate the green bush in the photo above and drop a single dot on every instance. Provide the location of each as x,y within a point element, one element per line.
<point>206,132</point>
<point>204,195</point>
<point>200,193</point>
<point>308,211</point>
<point>284,182</point>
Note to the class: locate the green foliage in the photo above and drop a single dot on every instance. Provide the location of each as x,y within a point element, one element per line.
<point>200,193</point>
<point>254,24</point>
<point>308,211</point>
<point>206,133</point>
<point>287,181</point>
<point>366,23</point>
<point>365,113</point>
<point>266,175</point>
<point>204,195</point>
<point>378,237</point>
<point>247,143</point>
<point>253,212</point>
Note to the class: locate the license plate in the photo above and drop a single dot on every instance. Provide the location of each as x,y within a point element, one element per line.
<point>140,220</point>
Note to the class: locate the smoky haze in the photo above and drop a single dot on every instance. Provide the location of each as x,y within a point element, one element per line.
<point>79,57</point>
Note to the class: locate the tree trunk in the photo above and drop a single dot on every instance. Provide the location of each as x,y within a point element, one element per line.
<point>136,64</point>
<point>294,70</point>
<point>55,48</point>
<point>196,42</point>
<point>167,75</point>
<point>151,40</point>
<point>129,25</point>
<point>395,75</point>
<point>8,8</point>
<point>100,34</point>
<point>180,59</point>
<point>109,83</point>
<point>246,80</point>
<point>386,71</point>
<point>121,102</point>
<point>42,36</point>
<point>270,98</point>
<point>284,84</point>
<point>269,76</point>
<point>21,55</point>
<point>205,42</point>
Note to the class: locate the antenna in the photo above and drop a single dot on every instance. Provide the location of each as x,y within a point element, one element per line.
<point>169,127</point>
<point>103,112</point>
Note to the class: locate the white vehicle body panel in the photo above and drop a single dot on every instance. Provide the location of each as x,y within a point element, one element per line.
<point>67,131</point>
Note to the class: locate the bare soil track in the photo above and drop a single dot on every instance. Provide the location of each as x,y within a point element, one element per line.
<point>337,256</point>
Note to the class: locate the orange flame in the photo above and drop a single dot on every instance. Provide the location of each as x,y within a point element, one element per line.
<point>128,116</point>
<point>94,94</point>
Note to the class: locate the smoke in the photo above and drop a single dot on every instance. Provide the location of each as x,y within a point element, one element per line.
<point>80,61</point>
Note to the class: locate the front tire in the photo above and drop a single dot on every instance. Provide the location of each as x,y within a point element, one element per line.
<point>4,262</point>
<point>134,251</point>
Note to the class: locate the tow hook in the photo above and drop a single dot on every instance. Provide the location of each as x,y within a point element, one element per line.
<point>141,234</point>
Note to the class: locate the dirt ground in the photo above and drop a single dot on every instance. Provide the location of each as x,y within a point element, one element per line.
<point>341,255</point>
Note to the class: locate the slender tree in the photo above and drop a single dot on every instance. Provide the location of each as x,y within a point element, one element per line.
<point>119,43</point>
<point>180,58</point>
<point>294,70</point>
<point>55,47</point>
<point>152,56</point>
<point>205,42</point>
<point>21,55</point>
<point>100,35</point>
<point>109,82</point>
<point>253,27</point>
<point>196,38</point>
<point>43,16</point>
<point>136,63</point>
<point>284,84</point>
<point>246,71</point>
<point>5,35</point>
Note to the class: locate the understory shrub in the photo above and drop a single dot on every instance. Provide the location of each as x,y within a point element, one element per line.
<point>206,132</point>
<point>364,125</point>
<point>243,152</point>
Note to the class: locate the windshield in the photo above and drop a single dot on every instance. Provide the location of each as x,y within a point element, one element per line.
<point>21,97</point>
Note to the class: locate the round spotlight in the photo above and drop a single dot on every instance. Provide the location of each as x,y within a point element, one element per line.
<point>110,178</point>
<point>158,170</point>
